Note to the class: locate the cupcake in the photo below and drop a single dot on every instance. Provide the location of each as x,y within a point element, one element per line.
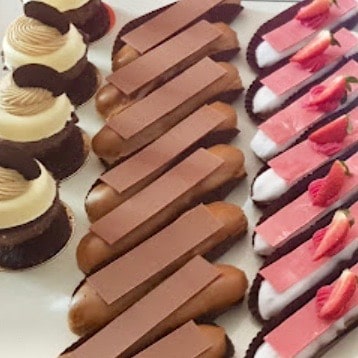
<point>90,16</point>
<point>44,36</point>
<point>34,224</point>
<point>42,124</point>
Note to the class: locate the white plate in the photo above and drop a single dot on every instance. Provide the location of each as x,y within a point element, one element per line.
<point>33,303</point>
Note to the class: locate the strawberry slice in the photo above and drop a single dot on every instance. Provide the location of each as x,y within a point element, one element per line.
<point>327,98</point>
<point>333,239</point>
<point>324,191</point>
<point>311,56</point>
<point>314,14</point>
<point>332,301</point>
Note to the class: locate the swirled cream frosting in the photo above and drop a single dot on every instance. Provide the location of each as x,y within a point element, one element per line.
<point>22,201</point>
<point>31,114</point>
<point>29,41</point>
<point>63,5</point>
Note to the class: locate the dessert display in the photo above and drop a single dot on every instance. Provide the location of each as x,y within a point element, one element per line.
<point>292,29</point>
<point>283,129</point>
<point>129,131</point>
<point>135,80</point>
<point>206,175</point>
<point>284,284</point>
<point>90,16</point>
<point>331,314</point>
<point>34,224</point>
<point>322,56</point>
<point>287,175</point>
<point>337,188</point>
<point>204,230</point>
<point>44,36</point>
<point>201,289</point>
<point>41,122</point>
<point>191,340</point>
<point>209,125</point>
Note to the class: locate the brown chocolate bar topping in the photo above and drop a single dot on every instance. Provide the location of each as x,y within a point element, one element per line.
<point>158,195</point>
<point>169,22</point>
<point>154,255</point>
<point>165,149</point>
<point>132,77</point>
<point>125,330</point>
<point>166,98</point>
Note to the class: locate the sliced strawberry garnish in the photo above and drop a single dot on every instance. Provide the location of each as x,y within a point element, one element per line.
<point>324,191</point>
<point>315,13</point>
<point>312,56</point>
<point>332,240</point>
<point>328,98</point>
<point>332,301</point>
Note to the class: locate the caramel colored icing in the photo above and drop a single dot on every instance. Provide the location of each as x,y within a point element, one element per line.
<point>12,184</point>
<point>25,101</point>
<point>34,38</point>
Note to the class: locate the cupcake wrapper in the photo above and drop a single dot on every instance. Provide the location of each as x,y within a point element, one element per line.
<point>256,85</point>
<point>225,12</point>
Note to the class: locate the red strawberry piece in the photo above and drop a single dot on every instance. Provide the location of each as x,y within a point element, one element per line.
<point>314,13</point>
<point>311,56</point>
<point>324,191</point>
<point>332,240</point>
<point>332,302</point>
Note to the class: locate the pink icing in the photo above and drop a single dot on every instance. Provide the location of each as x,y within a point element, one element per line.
<point>302,328</point>
<point>293,32</point>
<point>303,159</point>
<point>298,264</point>
<point>278,228</point>
<point>295,118</point>
<point>293,74</point>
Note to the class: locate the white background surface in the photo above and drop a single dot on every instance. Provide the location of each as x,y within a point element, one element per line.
<point>33,303</point>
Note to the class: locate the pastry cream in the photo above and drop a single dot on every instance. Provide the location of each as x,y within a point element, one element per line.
<point>31,200</point>
<point>63,5</point>
<point>29,41</point>
<point>31,114</point>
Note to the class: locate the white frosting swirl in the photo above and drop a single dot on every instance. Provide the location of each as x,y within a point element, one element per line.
<point>31,204</point>
<point>61,59</point>
<point>63,5</point>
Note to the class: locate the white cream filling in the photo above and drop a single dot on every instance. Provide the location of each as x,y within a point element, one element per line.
<point>267,351</point>
<point>63,5</point>
<point>60,60</point>
<point>38,126</point>
<point>266,55</point>
<point>268,186</point>
<point>27,207</point>
<point>271,302</point>
<point>265,148</point>
<point>262,247</point>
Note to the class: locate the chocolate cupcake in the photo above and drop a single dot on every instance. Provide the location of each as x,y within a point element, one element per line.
<point>44,36</point>
<point>34,224</point>
<point>90,16</point>
<point>44,125</point>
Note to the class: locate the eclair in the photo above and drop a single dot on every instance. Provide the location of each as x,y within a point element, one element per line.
<point>146,32</point>
<point>327,99</point>
<point>287,175</point>
<point>205,230</point>
<point>319,324</point>
<point>149,118</point>
<point>324,195</point>
<point>209,125</point>
<point>283,285</point>
<point>205,175</point>
<point>131,82</point>
<point>292,29</point>
<point>199,289</point>
<point>321,57</point>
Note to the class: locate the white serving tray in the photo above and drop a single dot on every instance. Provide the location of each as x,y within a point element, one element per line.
<point>33,303</point>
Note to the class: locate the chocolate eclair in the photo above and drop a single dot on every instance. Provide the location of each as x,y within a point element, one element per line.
<point>34,224</point>
<point>37,121</point>
<point>90,16</point>
<point>45,37</point>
